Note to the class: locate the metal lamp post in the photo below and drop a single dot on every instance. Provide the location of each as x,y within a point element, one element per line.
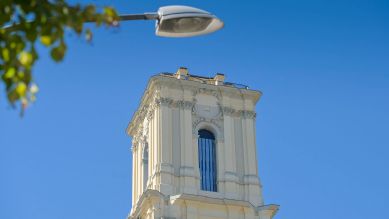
<point>175,21</point>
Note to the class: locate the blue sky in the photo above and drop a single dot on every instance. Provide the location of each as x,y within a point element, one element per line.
<point>322,126</point>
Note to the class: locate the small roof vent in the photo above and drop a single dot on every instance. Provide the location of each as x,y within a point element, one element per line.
<point>182,73</point>
<point>219,79</point>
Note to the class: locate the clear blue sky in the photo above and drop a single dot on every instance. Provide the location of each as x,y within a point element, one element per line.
<point>322,127</point>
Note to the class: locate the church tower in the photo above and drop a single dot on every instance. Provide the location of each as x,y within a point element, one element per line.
<point>194,150</point>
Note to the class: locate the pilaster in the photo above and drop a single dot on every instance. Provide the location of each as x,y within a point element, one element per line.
<point>230,176</point>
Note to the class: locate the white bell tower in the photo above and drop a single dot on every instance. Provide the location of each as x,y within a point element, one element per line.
<point>194,150</point>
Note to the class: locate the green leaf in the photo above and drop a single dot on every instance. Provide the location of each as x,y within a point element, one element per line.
<point>44,21</point>
<point>65,10</point>
<point>31,35</point>
<point>21,75</point>
<point>12,96</point>
<point>109,11</point>
<point>46,40</point>
<point>5,53</point>
<point>25,58</point>
<point>21,89</point>
<point>10,73</point>
<point>57,53</point>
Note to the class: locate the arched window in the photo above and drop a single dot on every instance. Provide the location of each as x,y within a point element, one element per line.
<point>207,160</point>
<point>145,165</point>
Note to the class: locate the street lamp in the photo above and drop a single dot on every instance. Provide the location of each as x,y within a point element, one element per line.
<point>180,21</point>
<point>173,21</point>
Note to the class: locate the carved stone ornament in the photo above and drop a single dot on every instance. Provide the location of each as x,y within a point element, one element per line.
<point>207,91</point>
<point>228,111</point>
<point>248,114</point>
<point>182,104</point>
<point>169,102</point>
<point>218,123</point>
<point>188,104</point>
<point>166,101</point>
<point>215,117</point>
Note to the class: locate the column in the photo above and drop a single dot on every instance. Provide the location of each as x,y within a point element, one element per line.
<point>230,177</point>
<point>187,171</point>
<point>133,174</point>
<point>166,132</point>
<point>251,179</point>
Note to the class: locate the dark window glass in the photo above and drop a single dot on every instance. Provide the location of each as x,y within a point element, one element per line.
<point>207,160</point>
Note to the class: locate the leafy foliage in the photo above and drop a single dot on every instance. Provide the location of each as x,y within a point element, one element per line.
<point>24,23</point>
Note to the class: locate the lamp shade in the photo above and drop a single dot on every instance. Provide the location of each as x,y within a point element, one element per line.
<point>184,21</point>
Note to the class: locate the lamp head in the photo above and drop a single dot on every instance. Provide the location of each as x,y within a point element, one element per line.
<point>184,21</point>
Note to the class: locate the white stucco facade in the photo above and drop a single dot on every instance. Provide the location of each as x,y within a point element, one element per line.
<point>164,131</point>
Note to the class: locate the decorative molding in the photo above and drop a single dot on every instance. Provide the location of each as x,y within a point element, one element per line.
<point>188,105</point>
<point>171,103</point>
<point>147,112</point>
<point>181,104</point>
<point>158,82</point>
<point>149,115</point>
<point>251,179</point>
<point>228,111</point>
<point>247,114</point>
<point>164,101</point>
<point>218,123</point>
<point>132,148</point>
<point>212,92</point>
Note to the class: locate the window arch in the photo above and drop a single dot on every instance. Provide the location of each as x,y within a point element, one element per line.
<point>207,160</point>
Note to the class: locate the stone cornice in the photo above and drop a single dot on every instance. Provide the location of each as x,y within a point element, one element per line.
<point>142,199</point>
<point>150,193</point>
<point>139,114</point>
<point>196,86</point>
<point>269,210</point>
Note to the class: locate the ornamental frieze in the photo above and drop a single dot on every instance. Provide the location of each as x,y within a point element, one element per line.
<point>247,114</point>
<point>147,111</point>
<point>207,91</point>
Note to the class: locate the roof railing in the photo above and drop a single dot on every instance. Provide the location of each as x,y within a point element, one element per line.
<point>206,80</point>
